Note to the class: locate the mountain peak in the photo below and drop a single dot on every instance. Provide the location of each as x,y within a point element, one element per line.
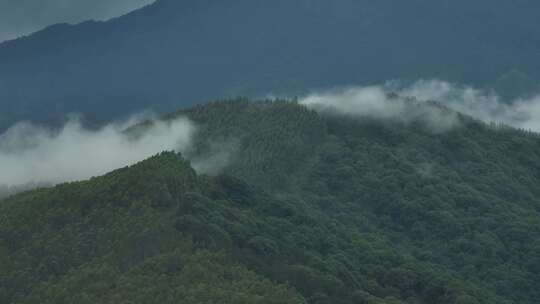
<point>178,53</point>
<point>166,170</point>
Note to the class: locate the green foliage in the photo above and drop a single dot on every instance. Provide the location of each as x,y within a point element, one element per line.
<point>183,275</point>
<point>311,208</point>
<point>113,240</point>
<point>465,199</point>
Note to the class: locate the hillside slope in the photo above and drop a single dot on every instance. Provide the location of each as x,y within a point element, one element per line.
<point>466,198</point>
<point>113,240</point>
<point>194,51</point>
<point>158,233</point>
<point>311,207</point>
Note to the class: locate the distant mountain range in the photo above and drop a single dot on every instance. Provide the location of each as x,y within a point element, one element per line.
<point>182,52</point>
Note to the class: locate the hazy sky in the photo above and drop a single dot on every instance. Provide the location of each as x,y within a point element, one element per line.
<point>20,17</point>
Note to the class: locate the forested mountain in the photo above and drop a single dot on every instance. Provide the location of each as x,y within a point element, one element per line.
<point>196,50</point>
<point>311,207</point>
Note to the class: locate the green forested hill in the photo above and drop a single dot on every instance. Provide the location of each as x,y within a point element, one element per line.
<point>120,239</point>
<point>308,208</point>
<point>467,199</point>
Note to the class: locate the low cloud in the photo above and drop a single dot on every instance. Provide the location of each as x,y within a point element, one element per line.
<point>31,154</point>
<point>407,103</point>
<point>521,113</point>
<point>217,156</point>
<point>377,102</point>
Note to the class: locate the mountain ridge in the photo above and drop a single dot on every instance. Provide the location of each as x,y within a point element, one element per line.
<point>191,52</point>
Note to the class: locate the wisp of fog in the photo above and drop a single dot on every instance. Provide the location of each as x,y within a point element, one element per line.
<point>523,113</point>
<point>408,104</point>
<point>376,102</point>
<point>33,154</point>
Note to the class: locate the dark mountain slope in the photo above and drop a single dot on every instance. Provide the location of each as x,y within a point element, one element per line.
<point>197,50</point>
<point>312,207</point>
<point>466,198</point>
<point>113,240</point>
<point>157,233</point>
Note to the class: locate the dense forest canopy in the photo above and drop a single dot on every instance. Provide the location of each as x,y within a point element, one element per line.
<point>311,207</point>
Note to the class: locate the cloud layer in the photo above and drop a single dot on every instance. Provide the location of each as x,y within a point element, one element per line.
<point>32,154</point>
<point>376,102</point>
<point>379,102</point>
<point>22,17</point>
<point>523,113</point>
